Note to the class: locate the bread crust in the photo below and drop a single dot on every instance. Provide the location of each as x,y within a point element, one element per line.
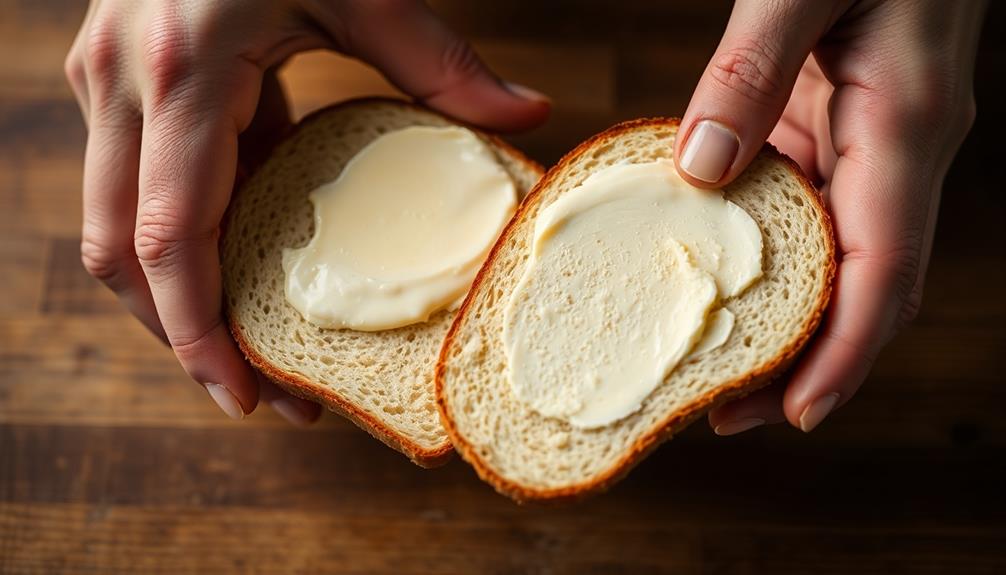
<point>300,386</point>
<point>674,421</point>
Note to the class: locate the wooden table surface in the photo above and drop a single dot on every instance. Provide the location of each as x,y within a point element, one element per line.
<point>112,461</point>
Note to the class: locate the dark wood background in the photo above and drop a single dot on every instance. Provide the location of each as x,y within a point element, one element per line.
<point>111,461</point>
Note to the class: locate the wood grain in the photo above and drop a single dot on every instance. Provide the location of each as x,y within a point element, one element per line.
<point>116,539</point>
<point>112,461</point>
<point>356,504</point>
<point>338,469</point>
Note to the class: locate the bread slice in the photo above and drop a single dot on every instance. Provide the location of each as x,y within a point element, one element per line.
<point>530,457</point>
<point>382,381</point>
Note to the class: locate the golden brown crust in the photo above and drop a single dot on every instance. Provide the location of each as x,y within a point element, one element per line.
<point>300,386</point>
<point>675,421</point>
<point>297,385</point>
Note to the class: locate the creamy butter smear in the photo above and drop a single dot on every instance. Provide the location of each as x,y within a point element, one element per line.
<point>401,233</point>
<point>625,279</point>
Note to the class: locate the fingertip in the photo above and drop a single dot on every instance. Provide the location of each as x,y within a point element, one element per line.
<point>744,88</point>
<point>215,361</point>
<point>225,400</point>
<point>532,115</point>
<point>299,412</point>
<point>719,415</point>
<point>525,93</point>
<point>815,412</point>
<point>244,389</point>
<point>829,373</point>
<point>761,407</point>
<point>738,426</point>
<point>707,153</point>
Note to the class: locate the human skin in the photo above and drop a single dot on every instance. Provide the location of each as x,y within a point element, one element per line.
<point>180,98</point>
<point>881,101</point>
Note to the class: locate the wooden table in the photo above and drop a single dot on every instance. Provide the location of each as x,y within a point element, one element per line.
<point>111,461</point>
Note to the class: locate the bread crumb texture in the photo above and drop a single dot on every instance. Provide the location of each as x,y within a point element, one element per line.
<point>386,377</point>
<point>530,456</point>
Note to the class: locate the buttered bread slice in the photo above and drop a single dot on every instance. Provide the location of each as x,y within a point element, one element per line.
<point>362,332</point>
<point>621,303</point>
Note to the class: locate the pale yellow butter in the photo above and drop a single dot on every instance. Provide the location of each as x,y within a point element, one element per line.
<point>401,233</point>
<point>719,325</point>
<point>623,283</point>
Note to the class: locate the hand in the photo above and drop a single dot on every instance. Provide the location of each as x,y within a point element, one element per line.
<point>168,89</point>
<point>876,117</point>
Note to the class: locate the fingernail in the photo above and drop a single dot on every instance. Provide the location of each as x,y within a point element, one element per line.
<point>225,400</point>
<point>738,426</point>
<point>526,93</point>
<point>290,410</point>
<point>709,151</point>
<point>815,413</point>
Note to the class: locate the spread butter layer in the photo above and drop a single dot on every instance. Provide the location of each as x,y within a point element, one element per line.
<point>401,233</point>
<point>623,283</point>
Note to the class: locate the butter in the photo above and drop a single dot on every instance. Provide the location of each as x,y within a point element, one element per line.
<point>624,282</point>
<point>402,232</point>
<point>719,324</point>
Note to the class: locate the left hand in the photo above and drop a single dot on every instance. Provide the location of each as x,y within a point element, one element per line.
<point>181,100</point>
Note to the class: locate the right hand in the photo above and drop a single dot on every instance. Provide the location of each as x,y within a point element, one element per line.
<point>179,97</point>
<point>883,99</point>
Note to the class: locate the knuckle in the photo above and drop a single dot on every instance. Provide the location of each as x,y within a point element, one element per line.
<point>73,69</point>
<point>931,95</point>
<point>899,272</point>
<point>865,352</point>
<point>910,308</point>
<point>187,345</point>
<point>927,108</point>
<point>101,260</point>
<point>957,119</point>
<point>966,113</point>
<point>748,70</point>
<point>159,236</point>
<point>903,266</point>
<point>101,48</point>
<point>459,61</point>
<point>906,265</point>
<point>970,112</point>
<point>167,54</point>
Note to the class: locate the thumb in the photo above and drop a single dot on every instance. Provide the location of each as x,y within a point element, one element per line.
<point>746,85</point>
<point>424,58</point>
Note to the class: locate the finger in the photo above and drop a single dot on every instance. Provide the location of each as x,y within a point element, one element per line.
<point>745,87</point>
<point>761,407</point>
<point>111,165</point>
<point>862,318</point>
<point>882,195</point>
<point>187,165</point>
<point>424,58</point>
<point>299,412</point>
<point>267,128</point>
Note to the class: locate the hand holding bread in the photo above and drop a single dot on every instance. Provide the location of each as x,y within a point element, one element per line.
<point>873,99</point>
<point>168,91</point>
